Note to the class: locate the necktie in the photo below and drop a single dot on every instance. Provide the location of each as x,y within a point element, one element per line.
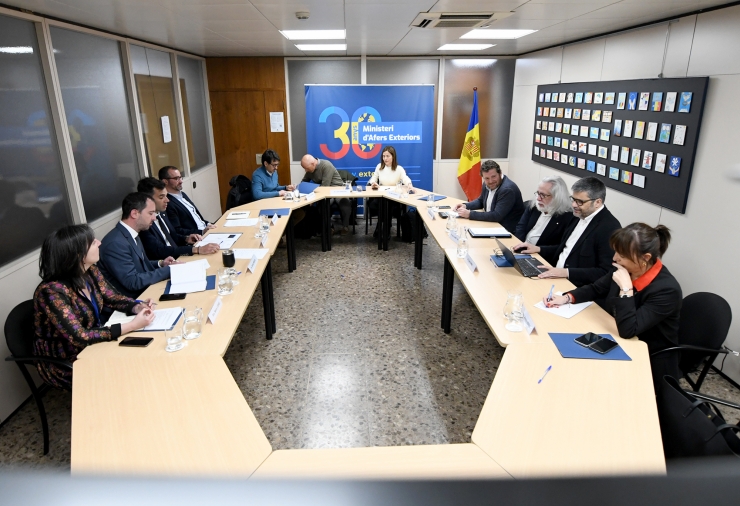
<point>165,231</point>
<point>142,254</point>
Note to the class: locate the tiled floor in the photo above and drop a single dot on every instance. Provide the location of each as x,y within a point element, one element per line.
<point>359,358</point>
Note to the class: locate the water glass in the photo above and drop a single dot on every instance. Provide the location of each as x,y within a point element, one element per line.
<point>462,242</point>
<point>174,339</point>
<point>234,276</point>
<point>264,224</point>
<point>297,195</point>
<point>192,323</point>
<point>513,311</point>
<point>451,221</point>
<point>225,284</point>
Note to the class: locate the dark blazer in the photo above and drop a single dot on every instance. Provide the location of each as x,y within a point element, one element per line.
<point>652,314</point>
<point>155,245</point>
<point>181,218</point>
<point>126,266</point>
<point>591,257</point>
<point>554,231</point>
<point>507,206</point>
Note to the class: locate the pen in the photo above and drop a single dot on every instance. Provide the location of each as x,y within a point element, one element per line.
<point>549,297</point>
<point>543,376</point>
<point>144,302</point>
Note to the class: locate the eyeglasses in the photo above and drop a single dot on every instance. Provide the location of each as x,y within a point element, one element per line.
<point>175,178</point>
<point>580,202</point>
<point>543,196</point>
<point>274,165</point>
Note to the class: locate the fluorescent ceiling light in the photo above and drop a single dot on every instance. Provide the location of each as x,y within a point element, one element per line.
<point>322,47</point>
<point>313,34</point>
<point>16,49</point>
<point>496,34</point>
<point>464,47</point>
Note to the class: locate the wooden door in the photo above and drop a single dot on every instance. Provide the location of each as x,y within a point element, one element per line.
<point>239,133</point>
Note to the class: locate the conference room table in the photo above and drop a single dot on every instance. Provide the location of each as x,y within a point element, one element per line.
<point>149,412</point>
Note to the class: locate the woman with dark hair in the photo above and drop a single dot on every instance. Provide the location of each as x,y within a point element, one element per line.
<point>388,172</point>
<point>642,296</point>
<point>71,298</point>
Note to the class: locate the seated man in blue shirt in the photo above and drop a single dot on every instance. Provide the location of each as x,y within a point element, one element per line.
<point>265,185</point>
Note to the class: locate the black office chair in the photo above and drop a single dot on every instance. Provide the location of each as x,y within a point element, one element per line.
<point>19,335</point>
<point>705,322</point>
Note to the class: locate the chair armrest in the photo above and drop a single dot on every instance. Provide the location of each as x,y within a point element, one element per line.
<point>57,361</point>
<point>688,347</point>
<point>716,400</point>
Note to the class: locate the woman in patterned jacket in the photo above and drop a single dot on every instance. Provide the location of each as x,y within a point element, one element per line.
<point>69,302</point>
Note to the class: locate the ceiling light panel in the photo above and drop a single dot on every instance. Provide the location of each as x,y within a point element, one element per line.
<point>322,47</point>
<point>314,34</point>
<point>482,33</point>
<point>464,47</point>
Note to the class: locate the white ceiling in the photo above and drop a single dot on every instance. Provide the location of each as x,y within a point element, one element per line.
<point>374,27</point>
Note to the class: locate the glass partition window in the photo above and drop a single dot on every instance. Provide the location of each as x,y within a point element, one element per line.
<point>193,94</point>
<point>495,82</point>
<point>33,197</point>
<point>153,77</point>
<point>97,110</point>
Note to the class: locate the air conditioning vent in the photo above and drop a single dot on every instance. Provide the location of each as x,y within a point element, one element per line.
<point>457,19</point>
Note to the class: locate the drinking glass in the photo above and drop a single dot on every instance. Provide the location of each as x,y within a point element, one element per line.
<point>264,225</point>
<point>234,276</point>
<point>451,222</point>
<point>462,242</point>
<point>174,339</point>
<point>513,311</point>
<point>225,285</point>
<point>192,323</point>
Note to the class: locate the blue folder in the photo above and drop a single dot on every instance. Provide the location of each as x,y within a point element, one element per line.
<point>569,348</point>
<point>284,211</point>
<point>210,283</point>
<point>307,187</point>
<point>436,197</point>
<point>501,261</point>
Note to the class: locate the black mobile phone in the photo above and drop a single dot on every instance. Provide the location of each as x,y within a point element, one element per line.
<point>138,341</point>
<point>443,207</point>
<point>171,296</point>
<point>603,345</point>
<point>443,215</point>
<point>588,339</point>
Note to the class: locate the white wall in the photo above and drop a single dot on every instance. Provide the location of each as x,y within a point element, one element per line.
<point>698,45</point>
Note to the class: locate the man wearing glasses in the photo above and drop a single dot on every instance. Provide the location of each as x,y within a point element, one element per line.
<point>584,254</point>
<point>265,185</point>
<point>181,211</point>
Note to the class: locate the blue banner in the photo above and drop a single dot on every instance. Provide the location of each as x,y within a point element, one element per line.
<point>350,126</point>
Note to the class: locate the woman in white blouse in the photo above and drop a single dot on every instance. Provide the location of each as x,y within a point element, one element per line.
<point>388,172</point>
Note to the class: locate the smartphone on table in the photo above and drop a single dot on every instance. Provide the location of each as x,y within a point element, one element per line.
<point>136,341</point>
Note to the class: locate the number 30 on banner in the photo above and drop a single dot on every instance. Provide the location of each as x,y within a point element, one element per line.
<point>363,114</point>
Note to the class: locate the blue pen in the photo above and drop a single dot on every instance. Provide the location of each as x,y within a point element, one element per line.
<point>543,376</point>
<point>144,302</point>
<point>549,297</point>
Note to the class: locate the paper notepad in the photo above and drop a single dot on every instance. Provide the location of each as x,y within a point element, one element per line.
<point>246,222</point>
<point>224,241</point>
<point>488,232</point>
<point>247,253</point>
<point>188,277</point>
<point>238,215</point>
<point>164,319</point>
<point>566,310</point>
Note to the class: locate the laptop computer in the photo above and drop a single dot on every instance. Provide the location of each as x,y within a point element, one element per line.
<point>526,266</point>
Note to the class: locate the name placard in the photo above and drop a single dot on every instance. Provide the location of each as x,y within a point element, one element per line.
<point>453,235</point>
<point>527,320</point>
<point>393,194</point>
<point>431,214</point>
<point>213,313</point>
<point>274,219</point>
<point>470,263</point>
<point>311,196</point>
<point>263,242</point>
<point>253,264</point>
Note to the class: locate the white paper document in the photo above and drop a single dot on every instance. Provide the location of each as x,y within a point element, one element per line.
<point>164,319</point>
<point>203,262</point>
<point>238,215</point>
<point>247,254</point>
<point>187,278</point>
<point>277,122</point>
<point>224,241</point>
<point>566,311</point>
<point>340,192</point>
<point>488,231</point>
<point>246,222</point>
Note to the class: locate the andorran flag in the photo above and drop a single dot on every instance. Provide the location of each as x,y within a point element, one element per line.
<point>468,170</point>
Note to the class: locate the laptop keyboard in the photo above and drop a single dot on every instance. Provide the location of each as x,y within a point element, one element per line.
<point>529,266</point>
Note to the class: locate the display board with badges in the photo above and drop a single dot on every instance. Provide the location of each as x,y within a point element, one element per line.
<point>638,136</point>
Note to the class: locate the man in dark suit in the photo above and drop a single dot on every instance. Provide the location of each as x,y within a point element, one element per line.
<point>123,260</point>
<point>584,254</point>
<point>547,216</point>
<point>500,200</point>
<point>182,213</point>
<point>161,240</point>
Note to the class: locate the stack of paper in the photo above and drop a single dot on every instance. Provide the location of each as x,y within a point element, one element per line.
<point>566,310</point>
<point>224,241</point>
<point>238,215</point>
<point>164,319</point>
<point>246,222</point>
<point>489,232</point>
<point>188,277</point>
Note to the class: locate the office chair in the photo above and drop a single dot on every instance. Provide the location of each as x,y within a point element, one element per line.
<point>19,335</point>
<point>705,321</point>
